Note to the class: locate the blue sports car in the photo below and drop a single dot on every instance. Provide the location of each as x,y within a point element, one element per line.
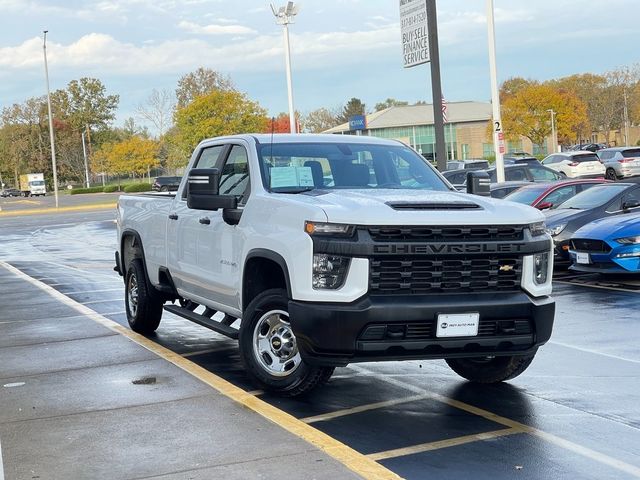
<point>608,245</point>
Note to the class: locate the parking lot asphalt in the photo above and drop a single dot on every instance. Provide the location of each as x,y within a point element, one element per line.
<point>573,414</point>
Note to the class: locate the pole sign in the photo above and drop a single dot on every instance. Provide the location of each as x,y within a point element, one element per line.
<point>357,122</point>
<point>415,33</point>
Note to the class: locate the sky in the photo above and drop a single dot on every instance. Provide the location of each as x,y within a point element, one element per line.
<point>340,48</point>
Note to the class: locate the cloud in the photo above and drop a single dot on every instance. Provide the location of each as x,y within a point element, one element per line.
<point>214,29</point>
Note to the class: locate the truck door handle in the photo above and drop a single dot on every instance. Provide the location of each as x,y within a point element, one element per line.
<point>173,216</point>
<point>205,221</point>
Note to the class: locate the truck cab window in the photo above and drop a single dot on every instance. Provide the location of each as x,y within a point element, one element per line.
<point>234,178</point>
<point>209,156</point>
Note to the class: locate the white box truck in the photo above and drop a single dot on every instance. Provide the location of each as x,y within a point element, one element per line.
<point>32,184</point>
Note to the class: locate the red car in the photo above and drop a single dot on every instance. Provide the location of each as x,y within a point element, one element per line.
<point>550,195</point>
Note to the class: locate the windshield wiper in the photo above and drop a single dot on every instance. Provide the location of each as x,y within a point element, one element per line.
<point>292,189</point>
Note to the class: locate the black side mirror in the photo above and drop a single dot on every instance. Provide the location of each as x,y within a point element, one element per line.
<point>629,204</point>
<point>479,183</point>
<point>202,191</point>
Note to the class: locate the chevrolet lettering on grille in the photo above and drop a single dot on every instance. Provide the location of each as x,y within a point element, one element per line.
<point>448,248</point>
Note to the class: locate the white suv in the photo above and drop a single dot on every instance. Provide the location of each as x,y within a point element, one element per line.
<point>575,164</point>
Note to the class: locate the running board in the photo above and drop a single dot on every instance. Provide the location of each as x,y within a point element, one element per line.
<point>202,320</point>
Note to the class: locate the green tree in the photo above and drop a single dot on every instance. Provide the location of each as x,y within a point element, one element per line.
<point>527,113</point>
<point>201,82</point>
<point>85,103</point>
<point>390,102</point>
<point>353,107</point>
<point>215,114</point>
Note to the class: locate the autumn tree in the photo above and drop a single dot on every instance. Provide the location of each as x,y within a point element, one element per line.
<point>527,113</point>
<point>390,102</point>
<point>215,114</point>
<point>135,155</point>
<point>319,120</point>
<point>353,107</point>
<point>513,85</point>
<point>201,82</point>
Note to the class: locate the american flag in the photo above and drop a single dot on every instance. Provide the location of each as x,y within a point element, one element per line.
<point>444,110</point>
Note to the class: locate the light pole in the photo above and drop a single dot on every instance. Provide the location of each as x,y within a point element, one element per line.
<point>554,142</point>
<point>53,144</point>
<point>86,163</point>
<point>626,120</point>
<point>284,16</point>
<point>498,134</point>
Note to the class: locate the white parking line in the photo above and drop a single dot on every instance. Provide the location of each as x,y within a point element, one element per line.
<point>93,291</point>
<point>595,352</point>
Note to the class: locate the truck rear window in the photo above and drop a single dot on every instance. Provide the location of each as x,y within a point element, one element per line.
<point>287,166</point>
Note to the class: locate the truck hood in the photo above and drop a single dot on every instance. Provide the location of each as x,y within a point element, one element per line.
<point>415,207</point>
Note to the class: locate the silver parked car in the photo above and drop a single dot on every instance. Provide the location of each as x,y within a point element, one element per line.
<point>620,162</point>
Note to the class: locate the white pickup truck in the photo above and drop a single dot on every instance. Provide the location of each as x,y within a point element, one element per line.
<point>316,251</point>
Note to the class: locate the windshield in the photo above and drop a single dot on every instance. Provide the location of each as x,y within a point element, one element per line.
<point>594,197</point>
<point>297,167</point>
<point>635,152</point>
<point>525,195</point>
<point>585,158</point>
<point>36,183</point>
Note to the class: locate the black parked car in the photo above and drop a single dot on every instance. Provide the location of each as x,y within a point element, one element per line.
<point>599,201</point>
<point>166,184</point>
<point>10,192</point>
<point>526,172</point>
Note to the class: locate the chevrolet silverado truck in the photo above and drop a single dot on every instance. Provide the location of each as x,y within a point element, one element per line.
<point>316,251</point>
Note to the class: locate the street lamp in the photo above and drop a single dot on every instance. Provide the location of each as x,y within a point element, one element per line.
<point>284,16</point>
<point>554,142</point>
<point>498,134</point>
<point>53,145</point>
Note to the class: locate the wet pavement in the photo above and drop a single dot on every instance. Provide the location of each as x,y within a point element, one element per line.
<point>573,414</point>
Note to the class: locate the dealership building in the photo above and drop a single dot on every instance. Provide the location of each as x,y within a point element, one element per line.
<point>466,131</point>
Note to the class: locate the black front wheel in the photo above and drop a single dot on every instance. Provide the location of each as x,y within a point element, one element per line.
<point>490,369</point>
<point>611,174</point>
<point>143,303</point>
<point>269,349</point>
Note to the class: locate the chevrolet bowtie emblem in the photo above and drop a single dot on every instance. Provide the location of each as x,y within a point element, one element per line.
<point>506,268</point>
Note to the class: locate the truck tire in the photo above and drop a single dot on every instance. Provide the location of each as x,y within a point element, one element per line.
<point>143,304</point>
<point>269,351</point>
<point>490,369</point>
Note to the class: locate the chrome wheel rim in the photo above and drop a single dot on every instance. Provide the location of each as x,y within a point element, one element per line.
<point>274,344</point>
<point>132,295</point>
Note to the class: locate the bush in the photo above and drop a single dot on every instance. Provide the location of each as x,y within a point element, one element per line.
<point>137,187</point>
<point>78,191</point>
<point>110,189</point>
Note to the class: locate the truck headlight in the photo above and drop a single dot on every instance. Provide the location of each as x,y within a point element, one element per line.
<point>553,231</point>
<point>329,271</point>
<point>537,229</point>
<point>540,268</point>
<point>629,240</point>
<point>333,229</point>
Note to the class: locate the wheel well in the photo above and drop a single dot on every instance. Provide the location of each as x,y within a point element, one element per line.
<point>131,248</point>
<point>262,274</point>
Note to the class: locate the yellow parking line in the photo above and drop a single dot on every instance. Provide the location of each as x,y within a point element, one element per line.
<point>350,458</point>
<point>512,424</point>
<point>362,408</point>
<point>451,442</point>
<point>38,211</point>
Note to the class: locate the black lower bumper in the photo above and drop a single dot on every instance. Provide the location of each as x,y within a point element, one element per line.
<point>336,334</point>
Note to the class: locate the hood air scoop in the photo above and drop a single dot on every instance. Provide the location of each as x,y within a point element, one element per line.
<point>434,206</point>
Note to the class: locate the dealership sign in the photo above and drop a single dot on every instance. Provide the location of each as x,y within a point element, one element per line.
<point>357,122</point>
<point>415,34</point>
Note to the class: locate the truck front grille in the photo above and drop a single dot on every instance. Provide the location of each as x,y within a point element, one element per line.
<point>445,233</point>
<point>409,275</point>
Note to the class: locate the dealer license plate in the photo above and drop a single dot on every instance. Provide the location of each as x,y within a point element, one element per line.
<point>582,258</point>
<point>458,325</point>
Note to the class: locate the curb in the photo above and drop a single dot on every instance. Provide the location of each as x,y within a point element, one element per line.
<point>40,211</point>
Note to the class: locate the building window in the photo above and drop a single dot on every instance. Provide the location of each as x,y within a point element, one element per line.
<point>514,146</point>
<point>465,151</point>
<point>488,151</point>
